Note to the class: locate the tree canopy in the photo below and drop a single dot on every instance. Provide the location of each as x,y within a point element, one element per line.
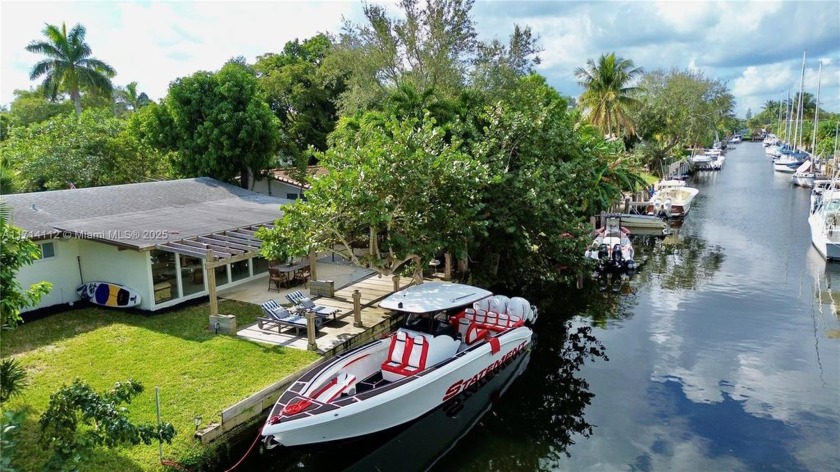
<point>680,108</point>
<point>91,150</point>
<point>393,187</point>
<point>216,124</point>
<point>300,95</point>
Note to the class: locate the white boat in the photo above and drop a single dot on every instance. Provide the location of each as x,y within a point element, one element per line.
<point>392,381</point>
<point>612,248</point>
<point>672,199</point>
<point>824,219</point>
<point>711,159</point>
<point>806,175</point>
<point>788,163</point>
<point>701,160</point>
<point>646,223</point>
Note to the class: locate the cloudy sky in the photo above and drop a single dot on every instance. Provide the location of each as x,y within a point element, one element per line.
<point>755,47</point>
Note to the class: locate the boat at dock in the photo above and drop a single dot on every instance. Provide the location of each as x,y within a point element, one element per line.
<point>613,254</point>
<point>647,224</point>
<point>824,219</point>
<point>453,336</point>
<point>672,199</point>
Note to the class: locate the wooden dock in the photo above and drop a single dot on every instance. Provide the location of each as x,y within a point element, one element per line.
<point>336,335</point>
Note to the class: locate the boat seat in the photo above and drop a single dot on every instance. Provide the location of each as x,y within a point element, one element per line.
<point>493,321</point>
<point>342,383</point>
<point>407,356</point>
<point>470,332</point>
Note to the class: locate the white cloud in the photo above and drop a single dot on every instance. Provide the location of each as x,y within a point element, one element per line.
<point>156,43</point>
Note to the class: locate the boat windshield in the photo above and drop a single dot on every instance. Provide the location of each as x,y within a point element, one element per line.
<point>430,323</point>
<point>832,206</point>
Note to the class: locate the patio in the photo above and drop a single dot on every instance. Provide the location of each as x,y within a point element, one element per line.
<point>346,278</point>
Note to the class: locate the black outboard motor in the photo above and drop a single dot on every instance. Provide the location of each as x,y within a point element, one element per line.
<point>603,252</point>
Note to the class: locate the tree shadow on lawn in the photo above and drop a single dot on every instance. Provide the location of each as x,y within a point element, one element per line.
<point>189,322</point>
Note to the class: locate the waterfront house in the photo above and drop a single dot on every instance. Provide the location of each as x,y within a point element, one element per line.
<point>155,238</point>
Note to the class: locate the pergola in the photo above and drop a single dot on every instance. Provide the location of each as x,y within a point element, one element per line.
<point>219,249</point>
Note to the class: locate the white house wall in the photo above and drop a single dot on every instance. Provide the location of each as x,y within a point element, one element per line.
<point>274,188</point>
<point>62,271</point>
<point>106,263</point>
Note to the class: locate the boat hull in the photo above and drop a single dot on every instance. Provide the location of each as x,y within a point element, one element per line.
<point>397,403</point>
<point>825,239</point>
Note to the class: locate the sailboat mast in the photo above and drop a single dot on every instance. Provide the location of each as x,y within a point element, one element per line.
<point>788,118</point>
<point>816,112</point>
<point>796,136</point>
<point>779,128</point>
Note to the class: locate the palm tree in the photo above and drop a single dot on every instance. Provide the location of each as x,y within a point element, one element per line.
<point>68,66</point>
<point>607,99</point>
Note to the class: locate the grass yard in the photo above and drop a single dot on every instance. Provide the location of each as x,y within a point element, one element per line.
<point>199,373</point>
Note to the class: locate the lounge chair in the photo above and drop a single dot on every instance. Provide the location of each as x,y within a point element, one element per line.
<point>304,303</point>
<point>282,317</point>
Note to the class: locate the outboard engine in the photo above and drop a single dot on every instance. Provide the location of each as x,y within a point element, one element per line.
<point>603,252</point>
<point>616,253</point>
<point>666,208</point>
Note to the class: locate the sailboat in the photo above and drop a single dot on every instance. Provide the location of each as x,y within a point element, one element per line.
<point>808,172</point>
<point>789,161</point>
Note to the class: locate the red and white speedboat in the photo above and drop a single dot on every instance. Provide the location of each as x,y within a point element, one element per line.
<point>453,336</point>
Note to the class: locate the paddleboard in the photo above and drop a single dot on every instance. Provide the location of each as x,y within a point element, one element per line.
<point>109,294</point>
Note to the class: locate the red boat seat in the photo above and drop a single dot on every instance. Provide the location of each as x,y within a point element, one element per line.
<point>335,387</point>
<point>406,356</point>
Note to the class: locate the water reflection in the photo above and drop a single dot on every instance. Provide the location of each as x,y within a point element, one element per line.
<point>543,413</point>
<point>680,261</point>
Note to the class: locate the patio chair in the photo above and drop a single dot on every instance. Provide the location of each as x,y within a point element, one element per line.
<point>304,303</point>
<point>281,317</point>
<point>276,278</point>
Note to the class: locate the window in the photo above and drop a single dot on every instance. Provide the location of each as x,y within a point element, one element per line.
<point>164,278</point>
<point>292,196</point>
<point>47,250</point>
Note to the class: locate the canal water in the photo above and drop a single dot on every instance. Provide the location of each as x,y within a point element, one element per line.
<point>721,353</point>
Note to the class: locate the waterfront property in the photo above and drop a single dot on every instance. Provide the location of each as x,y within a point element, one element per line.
<point>152,237</point>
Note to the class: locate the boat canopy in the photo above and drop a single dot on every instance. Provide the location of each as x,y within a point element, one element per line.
<point>432,297</point>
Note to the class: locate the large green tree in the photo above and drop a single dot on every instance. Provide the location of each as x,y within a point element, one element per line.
<point>607,99</point>
<point>68,66</point>
<point>216,124</point>
<point>300,95</point>
<point>432,45</point>
<point>549,177</point>
<point>680,108</point>
<point>395,188</point>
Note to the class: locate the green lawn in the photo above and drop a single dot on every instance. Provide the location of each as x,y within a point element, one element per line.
<point>198,372</point>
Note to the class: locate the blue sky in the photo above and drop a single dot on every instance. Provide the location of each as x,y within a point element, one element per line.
<point>755,47</point>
